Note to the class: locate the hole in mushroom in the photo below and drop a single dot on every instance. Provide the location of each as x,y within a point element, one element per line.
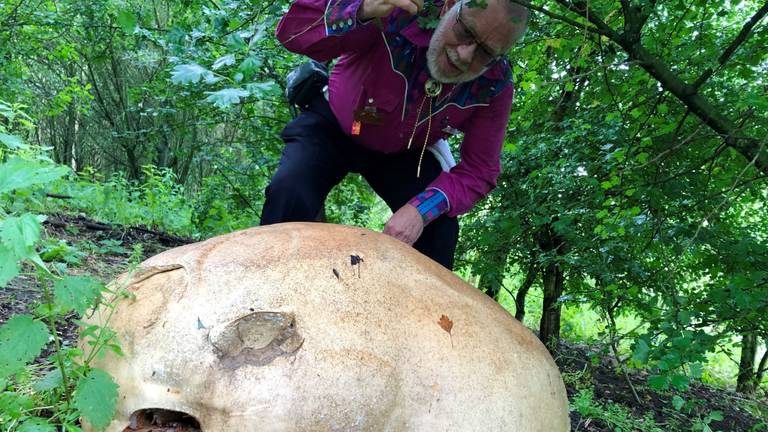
<point>162,420</point>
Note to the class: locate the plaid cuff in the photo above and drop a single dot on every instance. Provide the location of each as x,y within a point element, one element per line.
<point>431,203</point>
<point>341,16</point>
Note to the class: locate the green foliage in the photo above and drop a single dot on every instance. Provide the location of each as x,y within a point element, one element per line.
<point>19,173</point>
<point>76,293</point>
<point>32,388</point>
<point>107,247</point>
<point>21,234</point>
<point>127,20</point>
<point>159,202</point>
<point>614,416</point>
<point>191,74</point>
<point>58,251</point>
<point>12,142</point>
<point>96,398</point>
<point>226,97</point>
<point>21,340</point>
<point>8,265</point>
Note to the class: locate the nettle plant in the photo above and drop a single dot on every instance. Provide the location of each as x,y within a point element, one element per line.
<point>45,384</point>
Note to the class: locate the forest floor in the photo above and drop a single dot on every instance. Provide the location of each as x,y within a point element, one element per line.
<point>601,398</point>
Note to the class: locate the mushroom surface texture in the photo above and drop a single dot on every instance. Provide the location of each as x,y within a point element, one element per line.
<point>319,327</point>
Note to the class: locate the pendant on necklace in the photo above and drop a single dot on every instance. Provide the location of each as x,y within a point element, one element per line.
<point>432,88</point>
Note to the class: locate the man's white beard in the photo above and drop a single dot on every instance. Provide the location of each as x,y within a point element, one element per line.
<point>437,48</point>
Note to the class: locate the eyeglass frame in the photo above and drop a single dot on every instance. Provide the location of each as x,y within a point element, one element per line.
<point>467,30</point>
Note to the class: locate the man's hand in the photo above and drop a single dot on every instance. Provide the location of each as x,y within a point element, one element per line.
<point>405,225</point>
<point>381,8</point>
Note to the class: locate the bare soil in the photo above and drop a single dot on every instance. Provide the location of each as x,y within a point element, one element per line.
<point>611,387</point>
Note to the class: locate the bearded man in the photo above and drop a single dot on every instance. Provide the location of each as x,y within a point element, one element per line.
<point>396,90</point>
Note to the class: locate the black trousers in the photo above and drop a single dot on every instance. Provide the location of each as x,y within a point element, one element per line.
<point>318,155</point>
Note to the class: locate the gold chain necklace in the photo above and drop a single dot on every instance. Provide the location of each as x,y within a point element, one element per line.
<point>432,88</point>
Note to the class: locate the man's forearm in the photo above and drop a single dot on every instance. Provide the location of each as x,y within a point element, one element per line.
<point>324,29</point>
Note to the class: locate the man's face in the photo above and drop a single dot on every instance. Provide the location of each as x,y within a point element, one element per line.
<point>466,39</point>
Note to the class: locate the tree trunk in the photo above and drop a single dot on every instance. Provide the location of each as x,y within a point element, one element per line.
<point>549,326</point>
<point>491,286</point>
<point>746,382</point>
<point>321,215</point>
<point>522,292</point>
<point>492,269</point>
<point>763,365</point>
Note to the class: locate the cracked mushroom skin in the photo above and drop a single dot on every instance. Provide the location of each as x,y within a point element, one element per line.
<point>317,327</point>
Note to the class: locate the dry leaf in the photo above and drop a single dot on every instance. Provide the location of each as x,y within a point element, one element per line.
<point>446,323</point>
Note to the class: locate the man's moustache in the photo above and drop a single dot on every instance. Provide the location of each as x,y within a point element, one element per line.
<point>454,58</point>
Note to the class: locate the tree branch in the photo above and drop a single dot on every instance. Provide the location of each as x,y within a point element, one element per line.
<point>740,39</point>
<point>558,17</point>
<point>582,8</point>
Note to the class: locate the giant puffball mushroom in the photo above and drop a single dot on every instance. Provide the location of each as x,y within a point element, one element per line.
<point>316,327</point>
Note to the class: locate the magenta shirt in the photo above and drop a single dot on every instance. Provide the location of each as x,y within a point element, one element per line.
<point>383,64</point>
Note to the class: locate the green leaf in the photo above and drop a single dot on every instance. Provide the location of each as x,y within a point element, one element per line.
<point>658,382</point>
<point>716,415</point>
<point>96,398</point>
<point>696,370</point>
<point>250,66</point>
<point>263,89</point>
<point>235,42</point>
<point>50,381</point>
<point>9,267</point>
<point>226,60</point>
<point>680,382</point>
<point>226,97</point>
<point>686,317</point>
<point>191,73</point>
<point>677,402</point>
<point>641,351</point>
<point>76,292</point>
<point>36,424</point>
<point>21,340</point>
<point>20,234</point>
<point>12,141</point>
<point>127,21</point>
<point>21,173</point>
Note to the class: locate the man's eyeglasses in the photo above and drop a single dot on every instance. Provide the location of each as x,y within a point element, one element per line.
<point>465,35</point>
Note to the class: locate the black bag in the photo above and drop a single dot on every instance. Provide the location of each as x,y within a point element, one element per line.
<point>306,82</point>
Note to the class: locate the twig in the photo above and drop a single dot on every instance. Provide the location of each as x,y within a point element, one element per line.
<point>615,350</point>
<point>738,180</point>
<point>58,196</point>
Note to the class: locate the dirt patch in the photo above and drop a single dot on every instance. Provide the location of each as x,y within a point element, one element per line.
<point>610,387</point>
